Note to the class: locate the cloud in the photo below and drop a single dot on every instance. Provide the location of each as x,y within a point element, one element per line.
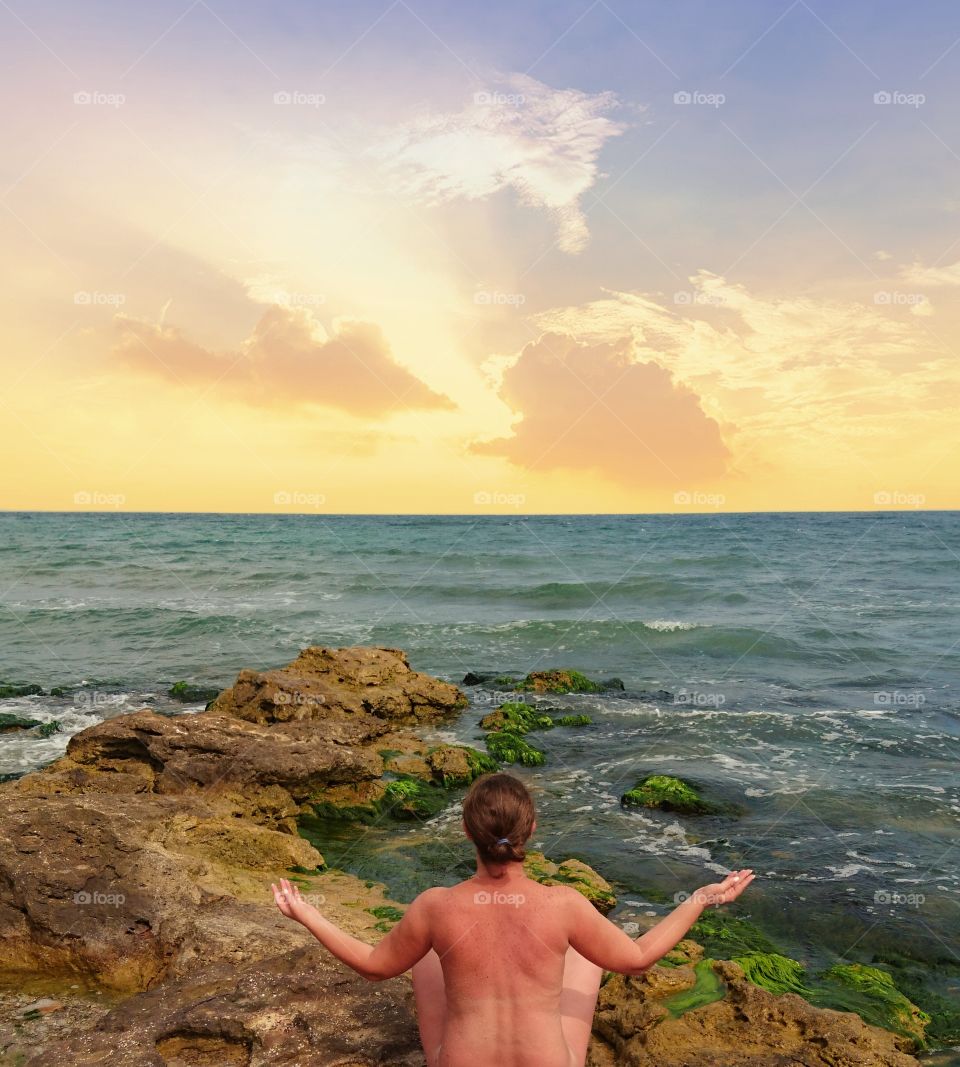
<point>936,276</point>
<point>594,407</point>
<point>288,360</point>
<point>518,133</point>
<point>796,381</point>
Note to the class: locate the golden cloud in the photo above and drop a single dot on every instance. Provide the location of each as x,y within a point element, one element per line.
<point>594,407</point>
<point>288,360</point>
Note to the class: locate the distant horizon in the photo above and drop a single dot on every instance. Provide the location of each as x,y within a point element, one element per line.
<point>496,514</point>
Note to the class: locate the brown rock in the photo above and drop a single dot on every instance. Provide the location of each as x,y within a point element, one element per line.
<point>749,1027</point>
<point>322,682</point>
<point>289,1010</point>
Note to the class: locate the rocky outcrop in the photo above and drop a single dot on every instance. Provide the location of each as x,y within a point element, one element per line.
<point>287,1010</point>
<point>322,683</point>
<point>747,1027</point>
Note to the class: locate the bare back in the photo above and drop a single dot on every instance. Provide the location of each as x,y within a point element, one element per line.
<point>502,949</point>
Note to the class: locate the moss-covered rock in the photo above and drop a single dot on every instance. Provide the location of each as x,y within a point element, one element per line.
<point>457,765</point>
<point>508,747</point>
<point>14,689</point>
<point>563,680</point>
<point>666,793</point>
<point>872,994</point>
<point>9,723</point>
<point>574,873</point>
<point>517,717</point>
<point>48,729</point>
<point>192,694</point>
<point>573,720</point>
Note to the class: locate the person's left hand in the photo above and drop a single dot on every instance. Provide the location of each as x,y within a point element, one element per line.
<point>289,900</point>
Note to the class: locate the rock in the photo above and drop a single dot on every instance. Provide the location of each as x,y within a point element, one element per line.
<point>749,1027</point>
<point>44,1006</point>
<point>287,1010</point>
<point>192,694</point>
<point>566,681</point>
<point>130,889</point>
<point>517,717</point>
<point>574,873</point>
<point>15,689</point>
<point>667,793</point>
<point>508,747</point>
<point>322,682</point>
<point>9,723</point>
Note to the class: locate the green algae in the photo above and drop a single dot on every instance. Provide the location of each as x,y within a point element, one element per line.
<point>573,720</point>
<point>666,793</point>
<point>873,995</point>
<point>516,717</point>
<point>387,912</point>
<point>563,680</point>
<point>725,936</point>
<point>775,973</point>
<point>709,987</point>
<point>508,747</point>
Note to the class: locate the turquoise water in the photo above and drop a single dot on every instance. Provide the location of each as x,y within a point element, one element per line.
<point>812,662</point>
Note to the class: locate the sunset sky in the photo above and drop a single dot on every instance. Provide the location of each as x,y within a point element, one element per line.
<point>435,257</point>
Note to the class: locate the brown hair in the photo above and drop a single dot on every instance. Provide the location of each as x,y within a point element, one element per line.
<point>499,806</point>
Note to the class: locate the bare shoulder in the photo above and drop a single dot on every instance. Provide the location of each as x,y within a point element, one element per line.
<point>429,898</point>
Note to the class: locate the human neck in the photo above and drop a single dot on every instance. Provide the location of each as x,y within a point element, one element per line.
<point>510,871</point>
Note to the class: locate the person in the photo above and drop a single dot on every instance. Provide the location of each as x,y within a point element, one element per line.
<point>506,971</point>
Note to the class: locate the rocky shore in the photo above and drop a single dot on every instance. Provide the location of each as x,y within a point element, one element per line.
<point>136,925</point>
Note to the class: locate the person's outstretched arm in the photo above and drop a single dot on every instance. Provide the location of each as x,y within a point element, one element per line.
<point>408,942</point>
<point>605,944</point>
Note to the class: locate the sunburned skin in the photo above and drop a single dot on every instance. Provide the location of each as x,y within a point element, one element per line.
<point>506,970</point>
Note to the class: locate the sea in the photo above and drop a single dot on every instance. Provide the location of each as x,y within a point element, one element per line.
<point>803,667</point>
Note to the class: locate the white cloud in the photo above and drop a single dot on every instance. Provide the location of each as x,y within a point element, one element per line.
<point>920,275</point>
<point>516,133</point>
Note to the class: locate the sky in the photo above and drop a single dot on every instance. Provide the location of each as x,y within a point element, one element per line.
<point>461,258</point>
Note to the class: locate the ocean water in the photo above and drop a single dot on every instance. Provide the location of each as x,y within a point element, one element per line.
<point>813,662</point>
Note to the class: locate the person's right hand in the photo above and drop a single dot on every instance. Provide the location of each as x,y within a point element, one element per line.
<point>723,892</point>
